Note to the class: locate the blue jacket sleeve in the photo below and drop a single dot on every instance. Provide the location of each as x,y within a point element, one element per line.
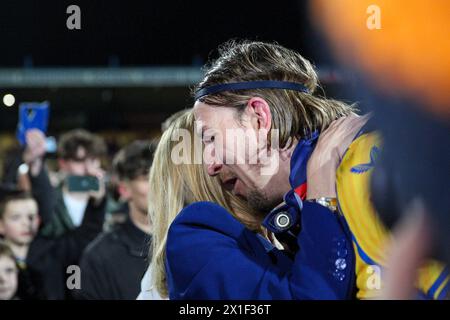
<point>210,255</point>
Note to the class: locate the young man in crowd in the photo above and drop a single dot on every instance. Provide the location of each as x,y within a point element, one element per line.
<point>113,264</point>
<point>79,153</point>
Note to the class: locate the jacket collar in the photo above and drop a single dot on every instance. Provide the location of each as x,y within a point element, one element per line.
<point>136,240</point>
<point>299,160</point>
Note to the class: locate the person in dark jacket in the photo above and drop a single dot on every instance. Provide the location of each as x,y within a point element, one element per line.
<point>50,258</point>
<point>79,152</point>
<point>113,265</point>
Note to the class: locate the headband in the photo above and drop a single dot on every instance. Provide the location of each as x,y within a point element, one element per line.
<point>258,84</point>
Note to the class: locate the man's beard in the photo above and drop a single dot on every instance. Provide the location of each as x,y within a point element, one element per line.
<point>260,202</point>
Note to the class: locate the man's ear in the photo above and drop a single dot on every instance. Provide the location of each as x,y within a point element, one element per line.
<point>123,190</point>
<point>259,108</point>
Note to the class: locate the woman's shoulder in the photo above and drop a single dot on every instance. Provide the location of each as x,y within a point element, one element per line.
<point>201,208</point>
<point>204,225</point>
<point>148,292</point>
<point>208,215</point>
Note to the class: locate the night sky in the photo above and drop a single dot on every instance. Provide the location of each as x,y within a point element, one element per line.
<point>144,32</point>
<point>33,34</point>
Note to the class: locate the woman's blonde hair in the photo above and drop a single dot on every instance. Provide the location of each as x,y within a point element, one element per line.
<point>173,186</point>
<point>295,114</point>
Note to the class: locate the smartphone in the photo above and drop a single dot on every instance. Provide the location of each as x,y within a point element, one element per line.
<point>32,115</point>
<point>50,145</point>
<point>82,183</point>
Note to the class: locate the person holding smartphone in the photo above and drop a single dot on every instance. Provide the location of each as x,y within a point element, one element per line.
<point>79,153</point>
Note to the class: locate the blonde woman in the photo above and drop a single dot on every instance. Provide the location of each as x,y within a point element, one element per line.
<point>207,244</point>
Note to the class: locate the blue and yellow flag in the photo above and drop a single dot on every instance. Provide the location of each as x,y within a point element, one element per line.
<point>370,236</point>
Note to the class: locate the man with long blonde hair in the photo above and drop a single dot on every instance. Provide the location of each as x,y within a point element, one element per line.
<point>323,159</point>
<point>269,91</point>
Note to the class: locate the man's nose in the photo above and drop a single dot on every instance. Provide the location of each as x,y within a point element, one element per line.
<point>214,169</point>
